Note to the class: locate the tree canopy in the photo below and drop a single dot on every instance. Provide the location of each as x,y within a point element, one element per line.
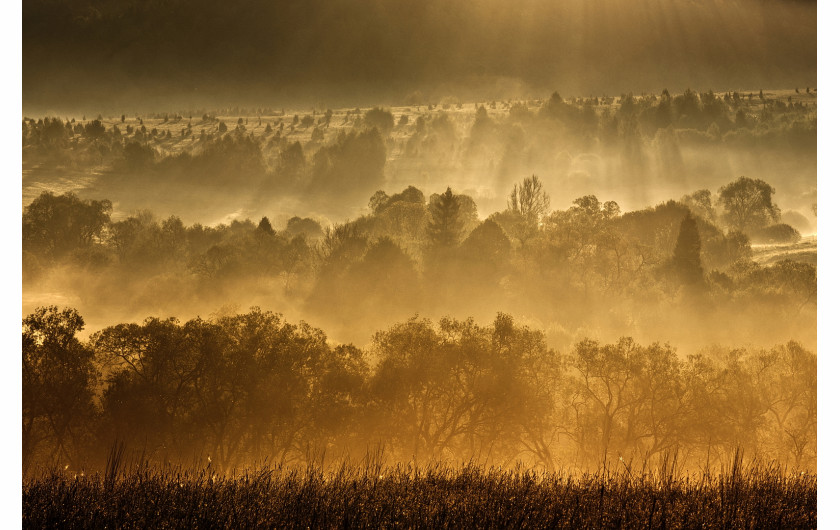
<point>56,225</point>
<point>748,204</point>
<point>687,253</point>
<point>529,199</point>
<point>445,226</point>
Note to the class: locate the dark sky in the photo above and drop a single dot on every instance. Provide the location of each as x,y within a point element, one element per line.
<point>170,54</point>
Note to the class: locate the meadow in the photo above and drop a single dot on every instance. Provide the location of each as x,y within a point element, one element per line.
<point>419,263</point>
<point>433,496</point>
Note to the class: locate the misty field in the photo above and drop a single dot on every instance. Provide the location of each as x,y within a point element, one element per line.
<point>440,281</point>
<point>577,146</point>
<point>182,191</point>
<point>419,263</point>
<point>434,496</point>
<point>438,277</point>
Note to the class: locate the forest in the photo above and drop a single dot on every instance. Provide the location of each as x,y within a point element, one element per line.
<point>416,263</point>
<point>561,386</point>
<point>148,230</point>
<point>248,388</point>
<point>429,325</point>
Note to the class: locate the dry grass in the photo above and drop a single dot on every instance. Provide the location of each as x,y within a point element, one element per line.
<point>430,497</point>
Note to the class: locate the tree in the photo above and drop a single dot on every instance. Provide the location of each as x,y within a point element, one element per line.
<point>488,245</point>
<point>526,206</point>
<point>58,380</point>
<point>795,405</point>
<point>457,388</point>
<point>150,369</point>
<point>351,166</point>
<point>402,216</point>
<point>143,244</point>
<point>383,283</point>
<point>700,204</point>
<point>445,227</point>
<point>777,233</point>
<point>483,258</point>
<point>95,129</point>
<point>748,204</point>
<point>309,228</point>
<point>56,225</point>
<point>378,201</point>
<point>482,127</point>
<point>265,226</point>
<point>266,383</point>
<point>292,161</point>
<point>138,156</point>
<point>239,388</point>
<point>623,399</point>
<point>663,116</point>
<point>687,253</point>
<point>529,200</point>
<point>381,119</point>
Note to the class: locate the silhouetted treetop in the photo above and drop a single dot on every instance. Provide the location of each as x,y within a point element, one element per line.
<point>307,227</point>
<point>56,225</point>
<point>529,199</point>
<point>687,253</point>
<point>265,226</point>
<point>445,226</point>
<point>748,204</point>
<point>381,119</point>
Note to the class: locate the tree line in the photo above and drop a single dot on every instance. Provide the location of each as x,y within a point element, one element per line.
<point>411,253</point>
<point>245,388</point>
<point>317,152</point>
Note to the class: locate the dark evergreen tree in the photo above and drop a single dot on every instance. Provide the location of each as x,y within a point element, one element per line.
<point>445,227</point>
<point>265,226</point>
<point>687,253</point>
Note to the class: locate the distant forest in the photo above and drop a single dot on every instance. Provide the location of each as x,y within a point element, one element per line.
<point>588,269</point>
<point>671,267</point>
<point>330,162</point>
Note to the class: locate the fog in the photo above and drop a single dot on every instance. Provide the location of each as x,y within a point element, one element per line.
<point>204,176</point>
<point>333,199</point>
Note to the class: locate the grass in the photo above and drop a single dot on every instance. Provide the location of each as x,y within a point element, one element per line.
<point>427,497</point>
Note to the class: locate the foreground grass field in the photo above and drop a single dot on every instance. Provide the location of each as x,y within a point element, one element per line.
<point>431,497</point>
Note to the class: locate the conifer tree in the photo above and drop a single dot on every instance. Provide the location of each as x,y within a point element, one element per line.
<point>265,226</point>
<point>444,229</point>
<point>687,253</point>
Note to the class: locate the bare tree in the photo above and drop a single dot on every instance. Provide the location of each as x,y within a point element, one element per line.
<point>529,199</point>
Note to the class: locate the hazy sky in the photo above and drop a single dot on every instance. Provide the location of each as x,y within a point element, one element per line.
<point>152,54</point>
